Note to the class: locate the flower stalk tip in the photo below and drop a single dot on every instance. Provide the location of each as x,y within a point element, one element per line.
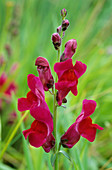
<point>63,13</point>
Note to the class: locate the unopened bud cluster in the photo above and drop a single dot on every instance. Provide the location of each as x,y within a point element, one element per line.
<point>56,37</point>
<point>63,13</point>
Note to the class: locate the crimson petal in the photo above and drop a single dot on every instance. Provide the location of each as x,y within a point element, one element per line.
<point>23,104</point>
<point>61,67</point>
<point>43,115</point>
<point>79,68</point>
<point>36,86</point>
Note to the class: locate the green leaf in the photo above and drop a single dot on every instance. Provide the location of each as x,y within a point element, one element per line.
<point>65,154</point>
<point>53,158</point>
<point>63,106</point>
<point>78,159</point>
<point>5,167</point>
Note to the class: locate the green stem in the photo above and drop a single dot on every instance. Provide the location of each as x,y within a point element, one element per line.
<point>59,147</point>
<point>55,130</point>
<point>59,55</point>
<point>13,134</point>
<point>55,119</point>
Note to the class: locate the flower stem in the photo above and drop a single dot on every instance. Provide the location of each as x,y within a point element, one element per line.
<point>55,118</point>
<point>13,134</point>
<point>59,55</point>
<point>55,131</point>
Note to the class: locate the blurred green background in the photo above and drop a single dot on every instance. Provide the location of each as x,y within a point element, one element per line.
<point>26,27</point>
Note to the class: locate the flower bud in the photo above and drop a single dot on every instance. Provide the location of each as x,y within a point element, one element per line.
<point>59,29</point>
<point>56,40</point>
<point>44,71</point>
<point>11,88</point>
<point>12,117</point>
<point>70,49</point>
<point>8,49</point>
<point>63,13</point>
<point>65,24</point>
<point>14,68</point>
<point>2,60</point>
<point>15,32</point>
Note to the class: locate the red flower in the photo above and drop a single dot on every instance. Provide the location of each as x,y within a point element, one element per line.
<point>82,127</point>
<point>68,77</point>
<point>3,79</point>
<point>2,60</point>
<point>6,88</point>
<point>14,68</point>
<point>11,88</point>
<point>34,97</point>
<point>44,71</point>
<point>12,118</point>
<point>41,129</point>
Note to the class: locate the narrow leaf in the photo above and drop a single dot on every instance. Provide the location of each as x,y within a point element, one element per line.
<point>53,158</point>
<point>65,154</point>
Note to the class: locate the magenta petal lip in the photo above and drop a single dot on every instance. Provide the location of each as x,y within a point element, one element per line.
<point>61,67</point>
<point>88,108</point>
<point>34,97</point>
<point>37,133</point>
<point>79,68</point>
<point>23,104</point>
<point>36,86</point>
